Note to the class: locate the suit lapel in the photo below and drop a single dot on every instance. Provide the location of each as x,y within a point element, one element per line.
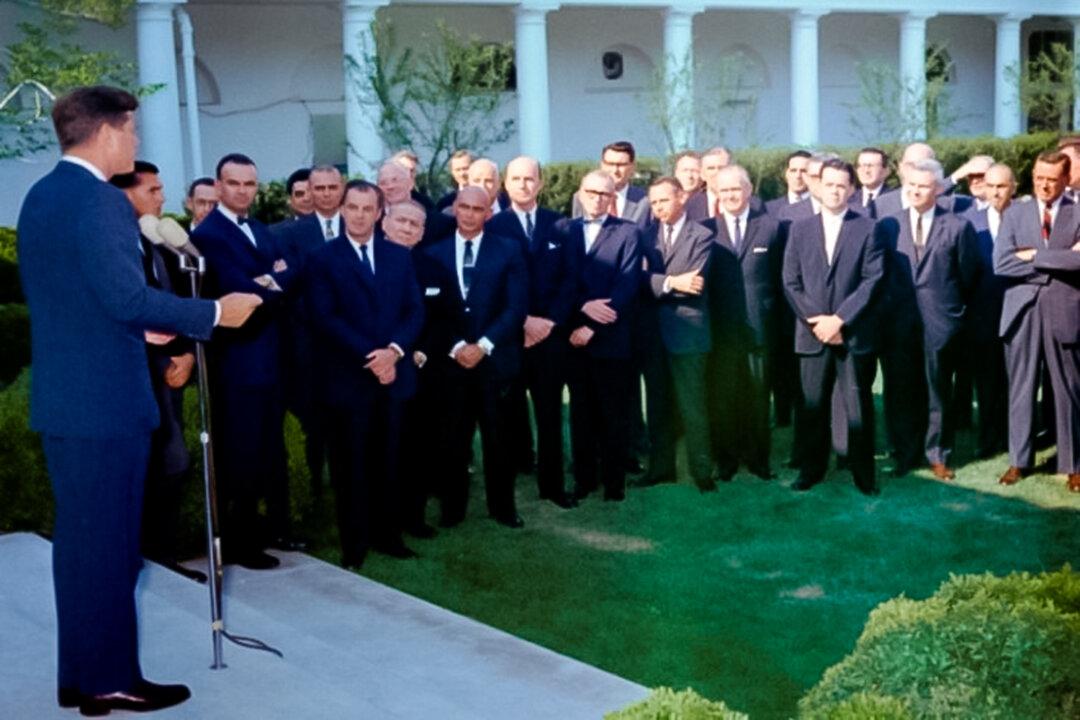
<point>932,238</point>
<point>748,234</point>
<point>347,254</point>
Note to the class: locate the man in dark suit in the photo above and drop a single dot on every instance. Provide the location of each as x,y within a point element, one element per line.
<point>397,186</point>
<point>551,297</point>
<point>702,205</point>
<point>366,314</point>
<point>170,369</point>
<point>298,240</point>
<point>832,266</point>
<point>478,289</point>
<point>931,269</point>
<point>459,164</point>
<point>299,197</point>
<point>872,167</point>
<point>744,291</point>
<point>245,368</point>
<point>91,398</point>
<point>678,337</point>
<point>1038,254</point>
<point>893,202</point>
<point>411,161</point>
<point>985,351</point>
<point>686,168</point>
<point>601,374</point>
<point>484,174</point>
<point>619,160</point>
<point>201,199</point>
<point>795,180</point>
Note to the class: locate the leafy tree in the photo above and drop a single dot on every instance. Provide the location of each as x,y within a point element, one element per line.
<point>1049,85</point>
<point>439,95</point>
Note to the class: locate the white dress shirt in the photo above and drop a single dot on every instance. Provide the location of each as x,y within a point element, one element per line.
<point>335,224</point>
<point>793,198</point>
<point>729,221</point>
<point>832,223</point>
<point>370,249</point>
<point>1054,207</point>
<point>459,260</point>
<point>712,201</point>
<point>993,220</point>
<point>676,228</point>
<point>592,230</point>
<point>815,205</point>
<point>234,218</point>
<point>86,165</point>
<point>522,214</point>
<point>927,222</point>
<point>870,194</point>
<point>620,200</point>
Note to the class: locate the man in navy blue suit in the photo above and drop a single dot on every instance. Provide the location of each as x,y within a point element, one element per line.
<point>601,374</point>
<point>551,298</point>
<point>832,267</point>
<point>476,287</point>
<point>245,369</point>
<point>931,268</point>
<point>366,314</point>
<point>1038,254</point>
<point>91,313</point>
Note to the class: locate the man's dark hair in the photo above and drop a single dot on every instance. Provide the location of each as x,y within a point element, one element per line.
<point>131,179</point>
<point>842,165</point>
<point>620,146</point>
<point>365,186</point>
<point>235,159</point>
<point>200,181</point>
<point>300,175</point>
<point>876,151</point>
<point>78,115</point>
<point>1053,157</point>
<point>685,154</point>
<point>666,180</point>
<point>797,154</point>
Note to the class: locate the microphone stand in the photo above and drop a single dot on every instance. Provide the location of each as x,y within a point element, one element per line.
<point>195,267</point>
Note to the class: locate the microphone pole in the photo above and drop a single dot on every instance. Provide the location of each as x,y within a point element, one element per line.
<point>194,264</point>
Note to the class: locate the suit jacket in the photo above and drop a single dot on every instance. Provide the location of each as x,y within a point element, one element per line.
<point>1054,275</point>
<point>847,287</point>
<point>551,273</point>
<point>984,310</point>
<point>744,284</point>
<point>636,208</point>
<point>495,307</point>
<point>938,285</point>
<point>249,355</point>
<point>681,321</point>
<point>787,213</point>
<point>610,269</point>
<point>299,239</point>
<point>89,305</point>
<point>891,202</point>
<point>354,312</point>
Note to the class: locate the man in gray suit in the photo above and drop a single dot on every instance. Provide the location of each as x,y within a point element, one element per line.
<point>678,338</point>
<point>1038,253</point>
<point>619,160</point>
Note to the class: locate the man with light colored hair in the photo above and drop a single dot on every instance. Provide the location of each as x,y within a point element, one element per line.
<point>703,205</point>
<point>411,162</point>
<point>484,174</point>
<point>403,223</point>
<point>932,267</point>
<point>894,201</point>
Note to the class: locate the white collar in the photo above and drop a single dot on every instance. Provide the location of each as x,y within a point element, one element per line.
<point>230,214</point>
<point>86,165</point>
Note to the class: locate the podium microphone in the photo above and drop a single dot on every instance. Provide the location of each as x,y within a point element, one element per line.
<point>149,226</point>
<point>175,236</point>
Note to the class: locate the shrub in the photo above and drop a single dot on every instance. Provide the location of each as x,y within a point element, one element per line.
<point>10,287</point>
<point>864,706</point>
<point>25,495</point>
<point>667,704</point>
<point>15,340</point>
<point>981,646</point>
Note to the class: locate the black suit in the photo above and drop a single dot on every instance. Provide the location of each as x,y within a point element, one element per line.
<point>493,308</point>
<point>744,288</point>
<point>246,382</point>
<point>601,374</point>
<point>355,311</point>
<point>678,339</point>
<point>844,287</point>
<point>926,295</point>
<point>551,295</point>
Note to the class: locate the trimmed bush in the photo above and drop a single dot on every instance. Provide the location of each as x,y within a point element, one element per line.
<point>10,286</point>
<point>15,340</point>
<point>26,502</point>
<point>667,704</point>
<point>864,706</point>
<point>981,646</point>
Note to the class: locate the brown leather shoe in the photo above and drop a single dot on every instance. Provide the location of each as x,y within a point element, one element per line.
<point>941,472</point>
<point>1012,476</point>
<point>1074,482</point>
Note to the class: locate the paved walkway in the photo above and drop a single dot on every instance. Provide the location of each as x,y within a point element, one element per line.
<point>353,649</point>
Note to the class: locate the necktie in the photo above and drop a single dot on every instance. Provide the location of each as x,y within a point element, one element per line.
<point>329,232</point>
<point>241,220</point>
<point>1047,223</point>
<point>738,234</point>
<point>869,199</point>
<point>364,260</point>
<point>467,262</point>
<point>613,208</point>
<point>529,228</point>
<point>669,236</point>
<point>919,244</point>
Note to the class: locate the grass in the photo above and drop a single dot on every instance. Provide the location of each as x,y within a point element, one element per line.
<point>747,594</point>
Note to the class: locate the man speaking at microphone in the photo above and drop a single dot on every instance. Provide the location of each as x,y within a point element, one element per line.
<point>91,398</point>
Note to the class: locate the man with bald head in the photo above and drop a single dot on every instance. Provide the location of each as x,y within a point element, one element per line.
<point>476,287</point>
<point>607,256</point>
<point>551,298</point>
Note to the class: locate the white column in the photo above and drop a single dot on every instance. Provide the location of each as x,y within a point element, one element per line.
<point>364,145</point>
<point>161,140</point>
<point>913,69</point>
<point>531,65</point>
<point>804,76</point>
<point>1007,111</point>
<point>679,70</point>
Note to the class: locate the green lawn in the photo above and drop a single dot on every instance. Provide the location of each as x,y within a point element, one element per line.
<point>746,594</point>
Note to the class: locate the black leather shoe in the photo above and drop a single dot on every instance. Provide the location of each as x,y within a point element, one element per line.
<point>803,484</point>
<point>421,530</point>
<point>762,471</point>
<point>581,492</point>
<point>561,499</point>
<point>869,489</point>
<point>289,544</point>
<point>395,549</point>
<point>68,697</point>
<point>256,560</point>
<point>512,520</point>
<point>145,697</point>
<point>196,575</point>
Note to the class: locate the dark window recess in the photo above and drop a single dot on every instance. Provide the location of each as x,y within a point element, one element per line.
<point>612,64</point>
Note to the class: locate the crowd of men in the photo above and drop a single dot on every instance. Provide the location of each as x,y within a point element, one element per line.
<point>393,327</point>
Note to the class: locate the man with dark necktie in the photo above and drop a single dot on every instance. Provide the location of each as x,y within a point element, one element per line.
<point>872,167</point>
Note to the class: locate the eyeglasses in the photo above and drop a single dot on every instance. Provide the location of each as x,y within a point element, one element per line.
<point>597,193</point>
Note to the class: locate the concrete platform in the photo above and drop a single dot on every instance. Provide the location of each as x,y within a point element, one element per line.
<point>353,649</point>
